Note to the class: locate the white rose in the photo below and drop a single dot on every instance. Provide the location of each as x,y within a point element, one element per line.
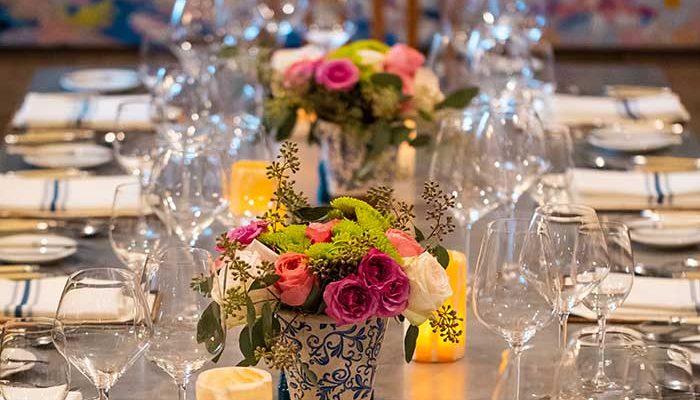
<point>430,287</point>
<point>254,254</point>
<point>426,90</point>
<point>371,58</point>
<point>284,58</point>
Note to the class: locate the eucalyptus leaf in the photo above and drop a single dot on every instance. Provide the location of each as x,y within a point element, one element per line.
<point>419,234</point>
<point>210,330</point>
<point>313,214</point>
<point>265,281</point>
<point>245,343</point>
<point>409,342</point>
<point>312,300</point>
<point>400,134</point>
<point>284,131</point>
<point>267,320</point>
<point>442,256</point>
<point>459,99</point>
<point>250,316</point>
<point>420,140</point>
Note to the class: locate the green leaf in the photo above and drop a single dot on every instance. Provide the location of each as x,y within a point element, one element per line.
<point>210,330</point>
<point>267,320</point>
<point>442,256</point>
<point>420,140</point>
<point>425,115</point>
<point>313,299</point>
<point>284,131</point>
<point>409,342</point>
<point>265,281</point>
<point>313,214</point>
<point>419,234</point>
<point>247,362</point>
<point>250,316</point>
<point>381,139</point>
<point>400,134</point>
<point>245,344</point>
<point>459,99</point>
<point>385,79</point>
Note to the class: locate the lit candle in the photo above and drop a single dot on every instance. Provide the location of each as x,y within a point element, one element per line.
<point>429,346</point>
<point>234,383</point>
<point>251,191</point>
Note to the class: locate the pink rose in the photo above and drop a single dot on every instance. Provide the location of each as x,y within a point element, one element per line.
<point>384,275</point>
<point>404,243</point>
<point>296,281</point>
<point>349,300</point>
<point>246,234</point>
<point>404,60</point>
<point>406,80</point>
<point>337,75</point>
<point>320,232</point>
<point>299,74</point>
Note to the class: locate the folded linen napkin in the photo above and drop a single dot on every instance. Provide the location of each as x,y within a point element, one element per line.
<point>76,197</point>
<point>40,297</point>
<point>66,110</point>
<point>579,110</point>
<point>656,299</point>
<point>632,190</point>
<point>27,393</point>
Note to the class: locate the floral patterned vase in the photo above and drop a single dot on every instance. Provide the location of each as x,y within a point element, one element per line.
<point>347,168</point>
<point>342,358</point>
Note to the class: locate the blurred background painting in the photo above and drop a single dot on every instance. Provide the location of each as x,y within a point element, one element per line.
<point>606,24</point>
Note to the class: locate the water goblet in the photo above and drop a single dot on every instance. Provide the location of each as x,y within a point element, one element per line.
<point>514,294</point>
<point>106,324</point>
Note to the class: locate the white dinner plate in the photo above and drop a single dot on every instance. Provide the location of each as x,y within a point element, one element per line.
<point>13,367</point>
<point>667,237</point>
<point>36,248</point>
<point>633,141</point>
<point>100,80</point>
<point>68,155</point>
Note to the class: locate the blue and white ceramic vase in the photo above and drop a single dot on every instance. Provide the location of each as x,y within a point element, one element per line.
<point>335,362</point>
<point>348,166</point>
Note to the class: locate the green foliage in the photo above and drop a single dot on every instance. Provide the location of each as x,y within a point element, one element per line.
<point>409,342</point>
<point>290,239</point>
<point>384,79</point>
<point>349,206</point>
<point>459,99</point>
<point>210,330</point>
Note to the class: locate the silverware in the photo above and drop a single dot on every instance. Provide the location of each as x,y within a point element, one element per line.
<point>50,173</point>
<point>83,227</point>
<point>665,163</point>
<point>14,268</point>
<point>17,360</point>
<point>42,136</point>
<point>36,245</point>
<point>23,276</point>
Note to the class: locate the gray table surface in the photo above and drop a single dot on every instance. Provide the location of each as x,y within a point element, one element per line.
<point>476,376</point>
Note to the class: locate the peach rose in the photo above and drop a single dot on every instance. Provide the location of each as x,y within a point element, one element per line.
<point>404,59</point>
<point>296,281</point>
<point>320,232</point>
<point>404,243</point>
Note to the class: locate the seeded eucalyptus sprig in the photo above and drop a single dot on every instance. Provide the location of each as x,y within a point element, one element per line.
<point>382,198</point>
<point>447,322</point>
<point>438,205</point>
<point>285,199</point>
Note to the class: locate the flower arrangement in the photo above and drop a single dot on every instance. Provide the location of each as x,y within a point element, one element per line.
<point>367,88</point>
<point>351,261</point>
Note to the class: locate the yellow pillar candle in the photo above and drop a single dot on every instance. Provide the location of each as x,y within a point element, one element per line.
<point>429,346</point>
<point>234,383</point>
<point>251,191</point>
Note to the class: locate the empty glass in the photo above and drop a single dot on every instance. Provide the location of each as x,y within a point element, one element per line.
<point>580,255</point>
<point>134,147</point>
<point>331,23</point>
<point>135,235</point>
<point>554,185</point>
<point>30,365</point>
<point>514,295</point>
<point>280,17</point>
<point>106,324</point>
<point>175,346</point>
<point>510,152</point>
<point>612,290</point>
<point>188,188</point>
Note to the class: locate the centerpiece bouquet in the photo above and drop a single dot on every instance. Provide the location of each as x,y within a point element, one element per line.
<point>314,287</point>
<point>364,99</point>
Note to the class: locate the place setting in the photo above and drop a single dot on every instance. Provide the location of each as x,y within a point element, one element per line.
<point>348,199</point>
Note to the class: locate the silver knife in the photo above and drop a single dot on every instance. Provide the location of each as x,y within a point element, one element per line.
<point>41,136</point>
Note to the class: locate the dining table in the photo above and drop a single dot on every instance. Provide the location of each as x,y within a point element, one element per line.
<point>483,371</point>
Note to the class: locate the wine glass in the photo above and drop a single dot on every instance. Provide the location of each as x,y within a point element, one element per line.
<point>280,17</point>
<point>156,59</point>
<point>134,147</point>
<point>188,188</point>
<point>106,324</point>
<point>30,365</point>
<point>580,254</point>
<point>612,290</point>
<point>176,347</point>
<point>133,236</point>
<point>554,185</point>
<point>510,152</point>
<point>456,140</point>
<point>332,22</point>
<point>514,294</point>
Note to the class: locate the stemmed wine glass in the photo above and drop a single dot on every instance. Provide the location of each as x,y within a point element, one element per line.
<point>106,324</point>
<point>30,365</point>
<point>188,188</point>
<point>554,185</point>
<point>456,140</point>
<point>580,255</point>
<point>175,346</point>
<point>510,152</point>
<point>612,290</point>
<point>514,294</point>
<point>332,22</point>
<point>134,236</point>
<point>134,147</point>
